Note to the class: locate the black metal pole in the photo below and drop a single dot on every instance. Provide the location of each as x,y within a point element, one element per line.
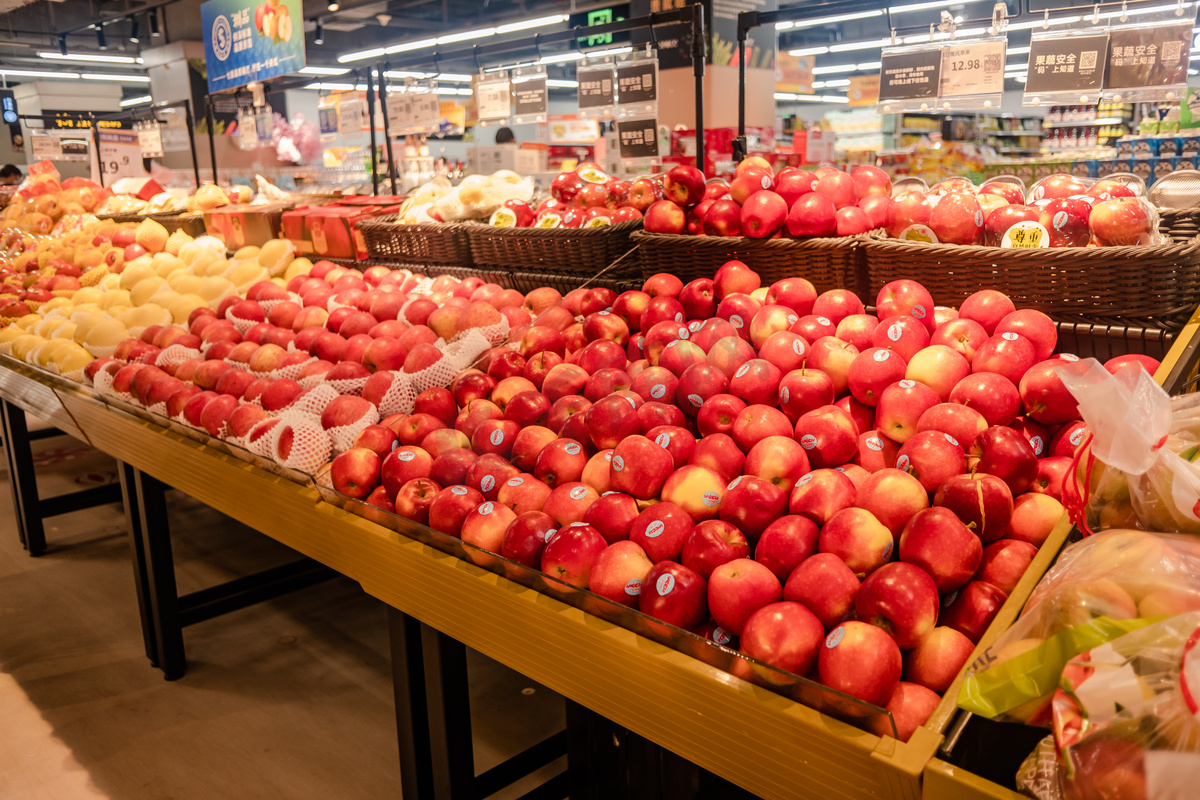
<point>96,144</point>
<point>739,141</point>
<point>387,131</point>
<point>191,128</point>
<point>212,144</point>
<point>699,54</point>
<point>371,126</point>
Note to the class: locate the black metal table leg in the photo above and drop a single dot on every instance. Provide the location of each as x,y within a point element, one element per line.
<point>23,479</point>
<point>141,572</point>
<point>155,536</point>
<point>452,760</point>
<point>412,718</point>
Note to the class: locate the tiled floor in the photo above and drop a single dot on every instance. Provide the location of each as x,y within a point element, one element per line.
<point>287,699</point>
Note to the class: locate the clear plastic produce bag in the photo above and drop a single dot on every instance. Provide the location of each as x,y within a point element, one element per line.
<point>1139,467</point>
<point>1124,719</point>
<point>1101,588</point>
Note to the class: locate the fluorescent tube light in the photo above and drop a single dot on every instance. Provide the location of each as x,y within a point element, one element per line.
<point>97,76</point>
<point>96,59</point>
<point>136,101</point>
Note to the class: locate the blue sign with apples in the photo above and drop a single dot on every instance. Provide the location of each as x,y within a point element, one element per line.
<point>245,41</point>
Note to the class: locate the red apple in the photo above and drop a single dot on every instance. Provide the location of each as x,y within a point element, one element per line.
<point>813,214</point>
<point>972,608</point>
<point>785,635</point>
<point>860,660</point>
<point>825,585</point>
<point>937,659</point>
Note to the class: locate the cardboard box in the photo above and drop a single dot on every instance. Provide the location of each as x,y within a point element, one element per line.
<point>331,231</point>
<point>241,225</point>
<point>141,188</point>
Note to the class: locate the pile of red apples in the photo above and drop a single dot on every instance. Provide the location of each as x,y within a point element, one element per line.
<point>841,495</point>
<point>254,358</point>
<point>760,204</point>
<point>585,197</point>
<point>1063,210</point>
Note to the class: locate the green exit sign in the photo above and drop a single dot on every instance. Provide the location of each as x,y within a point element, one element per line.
<point>601,16</point>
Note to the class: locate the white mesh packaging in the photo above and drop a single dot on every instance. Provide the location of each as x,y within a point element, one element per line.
<point>103,382</point>
<point>240,324</point>
<point>440,374</point>
<point>261,439</point>
<point>352,386</point>
<point>397,398</point>
<point>291,371</point>
<point>169,358</point>
<point>301,444</point>
<point>313,401</point>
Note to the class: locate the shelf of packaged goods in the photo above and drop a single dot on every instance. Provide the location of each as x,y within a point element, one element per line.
<point>1075,123</point>
<point>1012,133</point>
<point>920,130</point>
<point>781,747</point>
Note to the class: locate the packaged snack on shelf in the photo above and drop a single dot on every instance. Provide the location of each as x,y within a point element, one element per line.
<point>1102,588</point>
<point>1138,469</point>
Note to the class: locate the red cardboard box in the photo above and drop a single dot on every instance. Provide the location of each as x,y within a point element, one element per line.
<point>141,188</point>
<point>331,231</point>
<point>241,225</point>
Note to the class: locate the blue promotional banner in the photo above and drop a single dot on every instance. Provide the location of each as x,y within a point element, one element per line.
<point>246,42</point>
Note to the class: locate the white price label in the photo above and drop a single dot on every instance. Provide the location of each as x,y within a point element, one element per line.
<point>350,116</point>
<point>120,156</point>
<point>972,68</point>
<point>493,100</point>
<point>399,112</point>
<point>150,141</point>
<point>42,147</point>
<point>427,110</point>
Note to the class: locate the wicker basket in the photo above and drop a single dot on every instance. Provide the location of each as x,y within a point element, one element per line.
<point>1181,225</point>
<point>1151,286</point>
<point>191,224</point>
<point>828,263</point>
<point>430,243</point>
<point>561,251</point>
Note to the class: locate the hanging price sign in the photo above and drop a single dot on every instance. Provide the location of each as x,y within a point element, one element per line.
<point>597,91</point>
<point>638,138</point>
<point>150,140</point>
<point>911,75</point>
<point>530,98</point>
<point>493,101</point>
<point>120,156</point>
<point>1073,65</point>
<point>972,68</point>
<point>399,112</point>
<point>427,110</point>
<point>1149,57</point>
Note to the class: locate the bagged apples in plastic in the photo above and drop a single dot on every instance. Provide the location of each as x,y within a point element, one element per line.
<point>1124,719</point>
<point>1139,468</point>
<point>1102,588</point>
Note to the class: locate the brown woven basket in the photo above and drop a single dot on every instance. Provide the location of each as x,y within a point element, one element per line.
<point>191,224</point>
<point>1182,225</point>
<point>569,251</point>
<point>835,263</point>
<point>1116,285</point>
<point>429,243</point>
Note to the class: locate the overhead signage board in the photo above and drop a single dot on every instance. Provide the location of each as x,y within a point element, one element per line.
<point>1067,64</point>
<point>247,41</point>
<point>912,75</point>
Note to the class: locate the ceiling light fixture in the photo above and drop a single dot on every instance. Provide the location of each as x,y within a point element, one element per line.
<point>62,46</point>
<point>333,7</point>
<point>808,51</point>
<point>101,42</point>
<point>811,98</point>
<point>319,36</point>
<point>323,71</point>
<point>454,37</point>
<point>136,101</point>
<point>37,73</point>
<point>106,76</point>
<point>133,31</point>
<point>466,36</point>
<point>154,31</point>
<point>95,59</point>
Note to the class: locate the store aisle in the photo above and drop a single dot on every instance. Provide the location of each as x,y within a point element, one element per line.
<point>288,699</point>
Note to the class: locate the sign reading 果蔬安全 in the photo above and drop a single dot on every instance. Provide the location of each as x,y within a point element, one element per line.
<point>245,41</point>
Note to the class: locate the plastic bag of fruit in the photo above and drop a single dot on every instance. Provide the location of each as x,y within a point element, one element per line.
<point>1102,588</point>
<point>1139,468</point>
<point>478,196</point>
<point>1125,720</point>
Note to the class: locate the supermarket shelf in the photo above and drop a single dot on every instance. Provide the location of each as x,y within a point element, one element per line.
<point>876,132</point>
<point>1012,133</point>
<point>920,130</point>
<point>1088,122</point>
